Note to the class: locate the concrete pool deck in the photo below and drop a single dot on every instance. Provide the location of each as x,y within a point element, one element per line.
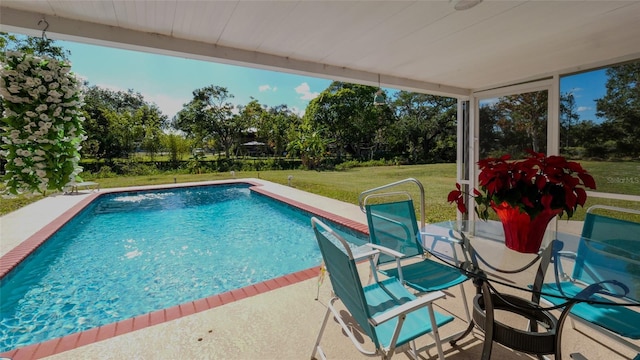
<point>278,319</point>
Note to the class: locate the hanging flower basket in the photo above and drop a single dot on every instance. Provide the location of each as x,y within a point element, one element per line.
<point>527,194</point>
<point>41,127</point>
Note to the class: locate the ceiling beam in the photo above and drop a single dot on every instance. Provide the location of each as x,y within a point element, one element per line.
<point>25,22</point>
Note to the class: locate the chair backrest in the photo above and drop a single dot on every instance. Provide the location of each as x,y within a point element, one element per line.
<point>394,225</point>
<point>343,273</point>
<point>614,252</point>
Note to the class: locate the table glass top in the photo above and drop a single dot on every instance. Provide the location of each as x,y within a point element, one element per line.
<point>613,264</point>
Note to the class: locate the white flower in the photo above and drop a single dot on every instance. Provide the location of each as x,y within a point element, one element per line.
<point>22,85</point>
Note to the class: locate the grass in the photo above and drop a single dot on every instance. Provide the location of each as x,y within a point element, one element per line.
<point>438,180</point>
<point>341,185</point>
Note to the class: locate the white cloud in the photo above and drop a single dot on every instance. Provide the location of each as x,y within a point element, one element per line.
<point>304,90</point>
<point>263,88</point>
<point>584,108</point>
<point>576,92</point>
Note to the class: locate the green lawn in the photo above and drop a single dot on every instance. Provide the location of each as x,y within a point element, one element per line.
<point>438,180</point>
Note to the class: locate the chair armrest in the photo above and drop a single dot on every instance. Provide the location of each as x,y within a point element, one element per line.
<point>408,307</point>
<point>364,251</point>
<point>386,250</point>
<point>568,254</point>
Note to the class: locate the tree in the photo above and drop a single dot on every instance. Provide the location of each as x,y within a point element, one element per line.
<point>524,121</point>
<point>275,125</point>
<point>120,122</point>
<point>176,145</point>
<point>32,45</point>
<point>310,145</point>
<point>426,128</point>
<point>568,118</point>
<point>209,116</point>
<point>621,107</point>
<point>491,135</point>
<point>349,118</point>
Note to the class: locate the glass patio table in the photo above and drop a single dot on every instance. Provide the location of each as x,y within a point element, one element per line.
<point>503,278</point>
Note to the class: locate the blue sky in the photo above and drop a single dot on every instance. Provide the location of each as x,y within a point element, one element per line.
<point>169,81</point>
<point>586,88</point>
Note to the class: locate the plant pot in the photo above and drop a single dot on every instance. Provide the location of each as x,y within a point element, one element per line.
<point>520,232</point>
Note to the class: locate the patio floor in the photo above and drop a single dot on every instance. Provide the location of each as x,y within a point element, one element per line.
<point>272,324</point>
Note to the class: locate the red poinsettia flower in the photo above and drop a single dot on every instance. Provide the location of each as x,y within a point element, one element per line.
<point>535,184</point>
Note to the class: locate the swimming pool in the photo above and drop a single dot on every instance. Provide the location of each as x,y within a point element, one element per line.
<point>133,253</point>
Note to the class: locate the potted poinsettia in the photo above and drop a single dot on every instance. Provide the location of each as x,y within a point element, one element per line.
<point>526,194</point>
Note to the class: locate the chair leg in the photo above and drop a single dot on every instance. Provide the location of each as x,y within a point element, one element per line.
<point>316,347</point>
<point>463,294</point>
<point>435,332</point>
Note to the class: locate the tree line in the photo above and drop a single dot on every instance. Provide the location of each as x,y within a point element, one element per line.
<point>343,123</point>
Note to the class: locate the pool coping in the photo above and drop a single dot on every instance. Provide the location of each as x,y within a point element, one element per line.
<point>55,346</point>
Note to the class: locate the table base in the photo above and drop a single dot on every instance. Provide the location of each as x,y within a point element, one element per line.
<point>531,342</point>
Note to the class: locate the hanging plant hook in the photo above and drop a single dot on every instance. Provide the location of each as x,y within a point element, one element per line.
<point>46,26</point>
<point>378,98</point>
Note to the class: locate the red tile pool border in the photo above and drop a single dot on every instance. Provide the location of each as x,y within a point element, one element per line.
<point>73,341</point>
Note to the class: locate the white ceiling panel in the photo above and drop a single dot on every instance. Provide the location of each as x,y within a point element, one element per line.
<point>414,45</point>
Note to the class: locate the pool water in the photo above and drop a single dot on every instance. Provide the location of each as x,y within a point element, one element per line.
<point>133,253</point>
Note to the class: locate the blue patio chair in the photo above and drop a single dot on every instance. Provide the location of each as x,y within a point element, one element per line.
<point>614,255</point>
<point>385,310</point>
<point>394,225</point>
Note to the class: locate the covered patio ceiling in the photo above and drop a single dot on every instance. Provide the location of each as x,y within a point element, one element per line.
<point>424,46</point>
